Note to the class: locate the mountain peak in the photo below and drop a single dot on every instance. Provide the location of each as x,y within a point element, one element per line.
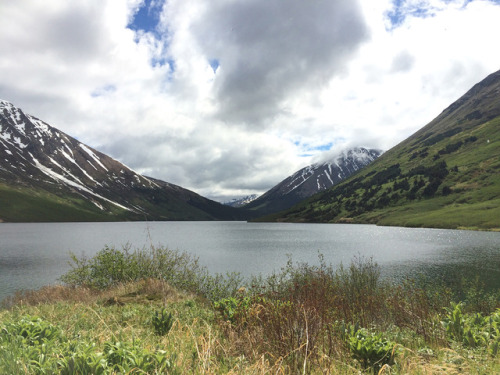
<point>4,103</point>
<point>313,179</point>
<point>355,154</point>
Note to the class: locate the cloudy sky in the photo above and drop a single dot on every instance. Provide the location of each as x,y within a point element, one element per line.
<point>229,97</point>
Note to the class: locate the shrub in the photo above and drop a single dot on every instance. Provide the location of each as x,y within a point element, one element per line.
<point>111,266</point>
<point>370,348</point>
<point>452,147</point>
<point>289,314</point>
<point>359,291</point>
<point>233,309</point>
<point>472,330</point>
<point>431,188</point>
<point>124,357</point>
<point>162,322</point>
<point>446,190</point>
<point>83,360</point>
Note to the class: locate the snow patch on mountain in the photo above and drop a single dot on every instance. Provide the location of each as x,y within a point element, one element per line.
<point>49,172</point>
<point>239,202</point>
<point>93,156</point>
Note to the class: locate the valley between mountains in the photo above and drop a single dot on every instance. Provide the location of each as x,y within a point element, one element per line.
<point>446,175</point>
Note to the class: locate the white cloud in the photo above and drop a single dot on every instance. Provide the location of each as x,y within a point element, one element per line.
<point>226,97</point>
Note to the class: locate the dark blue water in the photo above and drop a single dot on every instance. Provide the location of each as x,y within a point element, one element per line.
<point>34,255</point>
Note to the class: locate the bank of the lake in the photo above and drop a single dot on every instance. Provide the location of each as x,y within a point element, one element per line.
<point>176,318</point>
<point>34,255</point>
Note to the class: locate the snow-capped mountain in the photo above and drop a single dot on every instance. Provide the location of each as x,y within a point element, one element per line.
<point>39,160</point>
<point>313,179</point>
<point>240,202</point>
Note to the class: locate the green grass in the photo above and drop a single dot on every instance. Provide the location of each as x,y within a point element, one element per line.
<point>120,313</point>
<point>482,215</point>
<point>28,205</point>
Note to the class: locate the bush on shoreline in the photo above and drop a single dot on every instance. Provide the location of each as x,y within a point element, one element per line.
<point>111,267</point>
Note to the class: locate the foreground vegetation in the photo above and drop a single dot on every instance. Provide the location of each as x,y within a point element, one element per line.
<point>157,311</point>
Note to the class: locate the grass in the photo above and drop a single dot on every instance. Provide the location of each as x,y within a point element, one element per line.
<point>29,205</point>
<point>157,311</point>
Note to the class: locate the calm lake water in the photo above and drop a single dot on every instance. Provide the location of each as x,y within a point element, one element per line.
<point>34,255</point>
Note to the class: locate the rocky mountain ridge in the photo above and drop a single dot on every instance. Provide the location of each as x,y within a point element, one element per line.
<point>35,157</point>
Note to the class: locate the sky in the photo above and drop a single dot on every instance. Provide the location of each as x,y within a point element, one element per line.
<point>229,97</point>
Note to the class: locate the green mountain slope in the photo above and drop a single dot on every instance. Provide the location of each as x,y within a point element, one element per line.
<point>38,203</point>
<point>446,175</point>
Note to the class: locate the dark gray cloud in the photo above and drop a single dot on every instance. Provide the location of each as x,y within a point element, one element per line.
<point>69,34</point>
<point>270,49</point>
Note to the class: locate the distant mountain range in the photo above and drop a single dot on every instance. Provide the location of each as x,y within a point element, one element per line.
<point>312,179</point>
<point>446,175</point>
<point>46,175</point>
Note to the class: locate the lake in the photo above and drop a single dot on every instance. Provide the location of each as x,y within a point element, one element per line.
<point>34,255</point>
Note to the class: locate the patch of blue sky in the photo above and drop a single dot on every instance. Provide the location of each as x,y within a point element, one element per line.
<point>420,9</point>
<point>214,63</point>
<point>146,18</point>
<point>162,61</point>
<point>403,8</point>
<point>470,1</point>
<point>324,147</point>
<point>103,91</point>
<point>310,150</point>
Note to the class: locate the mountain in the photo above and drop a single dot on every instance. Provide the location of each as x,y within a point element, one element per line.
<point>313,179</point>
<point>241,201</point>
<point>446,175</point>
<point>46,175</point>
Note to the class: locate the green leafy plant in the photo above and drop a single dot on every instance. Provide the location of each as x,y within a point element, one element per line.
<point>124,357</point>
<point>372,349</point>
<point>162,322</point>
<point>83,360</point>
<point>472,330</point>
<point>453,321</point>
<point>493,327</point>
<point>233,309</point>
<point>32,329</point>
